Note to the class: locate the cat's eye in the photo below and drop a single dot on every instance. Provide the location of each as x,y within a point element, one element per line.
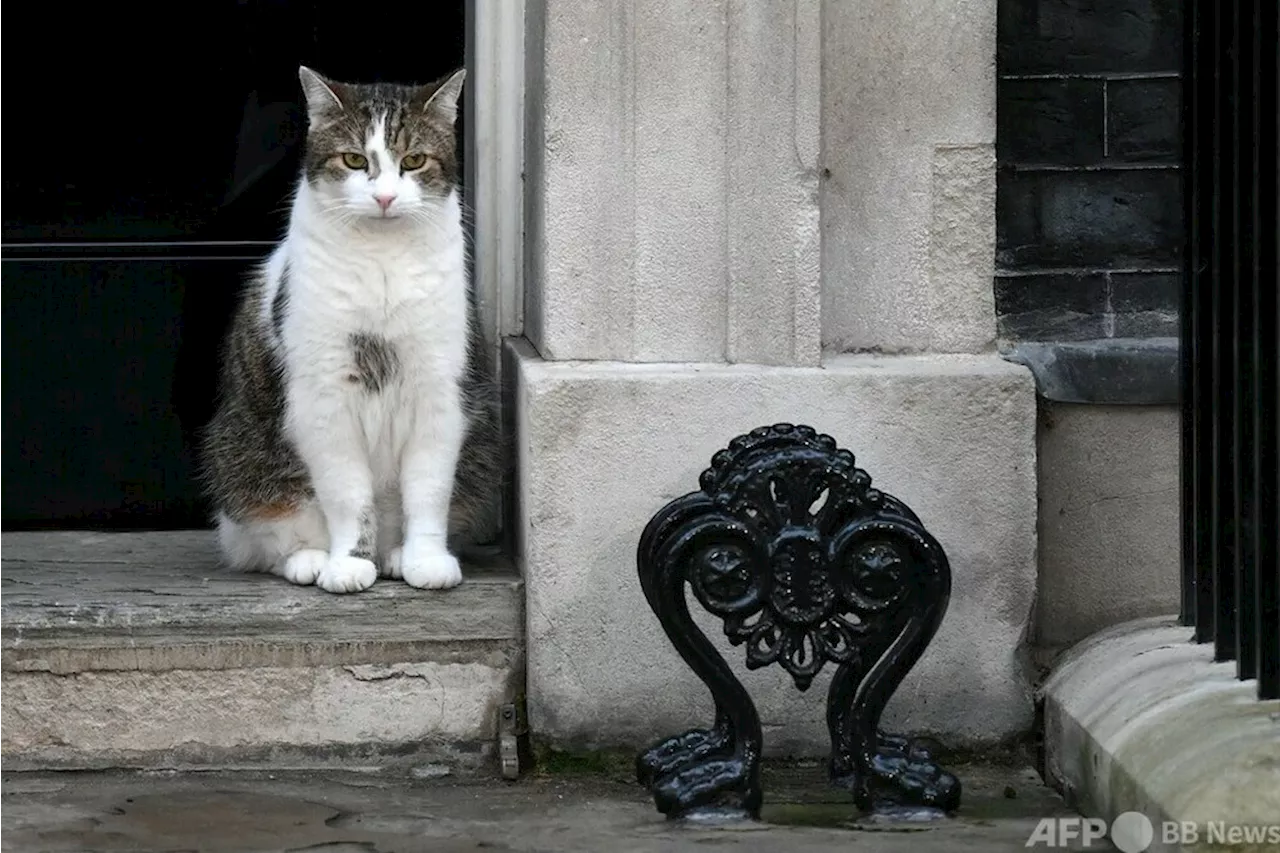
<point>355,161</point>
<point>413,162</point>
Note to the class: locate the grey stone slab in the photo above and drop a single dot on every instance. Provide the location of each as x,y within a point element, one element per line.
<point>337,812</point>
<point>159,600</point>
<point>1132,371</point>
<point>1140,718</point>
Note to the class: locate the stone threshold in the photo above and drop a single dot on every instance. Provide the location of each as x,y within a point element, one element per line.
<point>1138,718</point>
<point>139,650</point>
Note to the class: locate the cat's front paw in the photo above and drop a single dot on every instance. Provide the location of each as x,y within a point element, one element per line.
<point>347,574</point>
<point>436,570</point>
<point>303,567</point>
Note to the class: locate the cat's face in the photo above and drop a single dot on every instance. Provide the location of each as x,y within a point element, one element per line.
<point>381,151</point>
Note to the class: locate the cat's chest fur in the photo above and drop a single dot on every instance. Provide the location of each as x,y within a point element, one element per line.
<point>355,311</point>
<point>380,323</point>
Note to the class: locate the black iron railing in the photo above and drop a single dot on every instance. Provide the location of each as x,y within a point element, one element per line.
<point>1230,340</point>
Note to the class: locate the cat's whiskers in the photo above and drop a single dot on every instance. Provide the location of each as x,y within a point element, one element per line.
<point>467,211</point>
<point>332,205</point>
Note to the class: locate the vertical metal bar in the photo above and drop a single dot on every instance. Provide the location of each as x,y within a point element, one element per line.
<point>1224,200</point>
<point>1206,130</point>
<point>1246,284</point>
<point>1191,394</point>
<point>1266,331</point>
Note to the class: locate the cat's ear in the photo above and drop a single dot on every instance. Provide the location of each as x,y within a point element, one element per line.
<point>444,100</point>
<point>322,94</point>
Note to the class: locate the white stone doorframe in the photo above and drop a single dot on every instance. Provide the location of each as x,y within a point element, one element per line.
<point>740,213</point>
<point>494,110</point>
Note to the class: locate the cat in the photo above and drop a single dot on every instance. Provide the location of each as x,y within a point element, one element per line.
<point>354,434</point>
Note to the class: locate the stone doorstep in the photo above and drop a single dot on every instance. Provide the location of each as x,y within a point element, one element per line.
<point>1138,718</point>
<point>136,650</point>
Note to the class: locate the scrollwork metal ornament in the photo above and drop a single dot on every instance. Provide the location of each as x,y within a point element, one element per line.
<point>806,564</point>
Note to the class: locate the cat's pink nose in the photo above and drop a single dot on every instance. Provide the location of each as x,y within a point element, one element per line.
<point>384,201</point>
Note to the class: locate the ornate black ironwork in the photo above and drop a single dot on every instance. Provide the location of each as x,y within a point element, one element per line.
<point>787,542</point>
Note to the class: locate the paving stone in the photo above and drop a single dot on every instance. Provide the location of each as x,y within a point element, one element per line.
<point>338,812</point>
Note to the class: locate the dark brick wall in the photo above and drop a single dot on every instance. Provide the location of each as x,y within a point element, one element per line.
<point>1089,202</point>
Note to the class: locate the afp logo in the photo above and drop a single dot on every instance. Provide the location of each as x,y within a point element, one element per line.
<point>1130,832</point>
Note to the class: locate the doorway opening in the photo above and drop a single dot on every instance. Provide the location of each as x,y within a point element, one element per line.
<point>158,179</point>
<point>164,178</point>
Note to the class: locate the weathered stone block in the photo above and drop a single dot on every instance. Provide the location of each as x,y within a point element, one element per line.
<point>605,445</point>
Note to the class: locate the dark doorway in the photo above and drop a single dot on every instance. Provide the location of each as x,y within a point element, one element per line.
<point>162,173</point>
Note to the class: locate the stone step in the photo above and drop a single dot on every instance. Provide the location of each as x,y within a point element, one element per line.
<point>136,650</point>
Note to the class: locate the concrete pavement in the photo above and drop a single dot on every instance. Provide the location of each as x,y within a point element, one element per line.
<point>345,812</point>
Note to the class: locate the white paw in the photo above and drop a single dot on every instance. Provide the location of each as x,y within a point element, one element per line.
<point>302,567</point>
<point>438,570</point>
<point>391,568</point>
<point>347,574</point>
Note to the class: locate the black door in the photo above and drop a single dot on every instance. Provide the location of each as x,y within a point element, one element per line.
<point>157,169</point>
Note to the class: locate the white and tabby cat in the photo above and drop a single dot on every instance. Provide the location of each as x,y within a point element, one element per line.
<point>354,434</point>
